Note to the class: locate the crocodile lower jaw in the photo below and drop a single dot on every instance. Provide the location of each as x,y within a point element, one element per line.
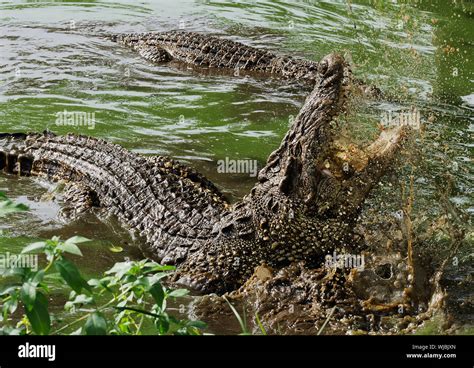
<point>347,157</point>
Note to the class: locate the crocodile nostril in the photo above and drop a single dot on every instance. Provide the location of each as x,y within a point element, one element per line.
<point>384,271</point>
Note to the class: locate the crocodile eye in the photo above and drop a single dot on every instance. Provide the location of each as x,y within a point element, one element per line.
<point>323,67</point>
<point>384,271</point>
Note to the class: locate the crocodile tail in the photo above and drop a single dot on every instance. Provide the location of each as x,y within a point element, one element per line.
<point>167,204</point>
<point>13,157</point>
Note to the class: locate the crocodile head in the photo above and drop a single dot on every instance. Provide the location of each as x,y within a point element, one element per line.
<point>300,208</point>
<point>314,167</point>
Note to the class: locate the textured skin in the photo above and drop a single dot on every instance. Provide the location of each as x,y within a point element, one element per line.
<point>298,210</point>
<point>170,205</point>
<point>213,52</point>
<point>207,51</point>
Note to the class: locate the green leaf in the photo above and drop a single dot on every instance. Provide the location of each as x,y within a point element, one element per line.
<point>143,281</point>
<point>53,277</point>
<point>120,269</point>
<point>70,248</point>
<point>71,275</point>
<point>157,292</point>
<point>162,323</point>
<point>116,249</point>
<point>7,206</point>
<point>33,247</point>
<point>37,277</point>
<point>95,324</point>
<point>11,305</point>
<point>160,268</point>
<point>242,322</point>
<point>122,304</point>
<point>28,295</point>
<point>7,290</point>
<point>197,324</point>
<point>94,282</point>
<point>104,283</point>
<point>39,316</point>
<point>77,240</point>
<point>82,299</point>
<point>7,330</point>
<point>157,277</point>
<point>77,332</point>
<point>259,323</point>
<point>178,293</point>
<point>77,301</point>
<point>21,273</point>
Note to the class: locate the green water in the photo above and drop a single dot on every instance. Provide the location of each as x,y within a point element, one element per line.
<point>52,59</point>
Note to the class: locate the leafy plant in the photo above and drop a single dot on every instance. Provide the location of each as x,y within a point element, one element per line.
<point>130,294</point>
<point>242,320</point>
<point>260,325</point>
<point>8,206</point>
<point>132,290</point>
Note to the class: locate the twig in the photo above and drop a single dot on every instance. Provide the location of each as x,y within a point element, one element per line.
<point>326,321</point>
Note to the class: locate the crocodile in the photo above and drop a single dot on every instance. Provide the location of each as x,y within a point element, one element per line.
<point>212,52</point>
<point>304,205</point>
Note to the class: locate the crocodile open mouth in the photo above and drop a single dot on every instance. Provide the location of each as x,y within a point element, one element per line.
<point>347,158</point>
